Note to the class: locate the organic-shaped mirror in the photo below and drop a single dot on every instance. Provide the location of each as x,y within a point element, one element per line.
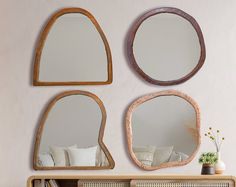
<point>72,50</point>
<point>166,46</point>
<point>163,130</point>
<point>70,134</point>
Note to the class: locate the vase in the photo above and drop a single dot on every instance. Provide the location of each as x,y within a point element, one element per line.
<point>220,165</point>
<point>208,169</point>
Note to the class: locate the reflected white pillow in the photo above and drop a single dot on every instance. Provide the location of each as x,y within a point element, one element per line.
<point>178,156</point>
<point>162,154</point>
<point>175,157</point>
<point>60,155</point>
<point>183,156</point>
<point>82,156</point>
<point>145,154</point>
<point>101,159</point>
<point>45,159</point>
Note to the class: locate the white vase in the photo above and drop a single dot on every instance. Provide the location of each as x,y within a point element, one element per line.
<point>220,165</point>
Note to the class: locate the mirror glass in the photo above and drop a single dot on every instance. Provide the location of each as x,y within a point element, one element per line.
<point>166,48</point>
<point>164,131</point>
<point>75,51</point>
<point>70,134</point>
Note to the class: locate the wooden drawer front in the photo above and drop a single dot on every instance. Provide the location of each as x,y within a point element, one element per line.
<point>103,183</point>
<point>182,183</point>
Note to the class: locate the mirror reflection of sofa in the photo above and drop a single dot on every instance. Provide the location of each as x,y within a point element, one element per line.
<point>71,133</point>
<point>154,156</point>
<point>73,156</point>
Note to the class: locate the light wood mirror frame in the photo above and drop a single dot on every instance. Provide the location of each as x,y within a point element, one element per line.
<point>134,29</point>
<point>100,137</point>
<point>128,127</point>
<point>43,37</point>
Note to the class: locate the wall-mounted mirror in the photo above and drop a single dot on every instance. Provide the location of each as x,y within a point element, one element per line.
<point>163,130</point>
<point>70,134</point>
<point>72,50</point>
<point>166,46</point>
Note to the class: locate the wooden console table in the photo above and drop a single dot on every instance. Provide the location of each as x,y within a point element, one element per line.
<point>138,180</point>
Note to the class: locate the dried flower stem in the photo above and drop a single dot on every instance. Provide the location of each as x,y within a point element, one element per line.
<point>215,138</point>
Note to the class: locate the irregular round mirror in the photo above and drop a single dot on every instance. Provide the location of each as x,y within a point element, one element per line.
<point>71,132</point>
<point>163,130</point>
<point>72,50</point>
<point>166,46</point>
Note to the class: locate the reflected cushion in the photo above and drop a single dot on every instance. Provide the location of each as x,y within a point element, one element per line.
<point>60,155</point>
<point>161,155</point>
<point>101,159</point>
<point>82,156</point>
<point>178,156</point>
<point>183,156</point>
<point>145,154</point>
<point>175,157</point>
<point>45,159</point>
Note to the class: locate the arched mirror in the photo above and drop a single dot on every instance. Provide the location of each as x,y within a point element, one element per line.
<point>163,130</point>
<point>70,134</point>
<point>72,50</point>
<point>166,46</point>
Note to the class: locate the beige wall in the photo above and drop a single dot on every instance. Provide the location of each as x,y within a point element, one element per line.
<point>214,86</point>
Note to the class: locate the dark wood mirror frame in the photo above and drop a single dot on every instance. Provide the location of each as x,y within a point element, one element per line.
<point>100,137</point>
<point>136,26</point>
<point>43,37</point>
<point>128,126</point>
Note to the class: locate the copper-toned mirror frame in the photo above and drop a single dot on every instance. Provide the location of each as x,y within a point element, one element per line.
<point>100,137</point>
<point>43,37</point>
<point>129,135</point>
<point>136,26</point>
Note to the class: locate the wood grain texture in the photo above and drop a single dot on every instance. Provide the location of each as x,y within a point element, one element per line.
<point>103,183</point>
<point>133,178</point>
<point>43,37</point>
<point>135,28</point>
<point>129,135</point>
<point>184,183</point>
<point>100,137</point>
